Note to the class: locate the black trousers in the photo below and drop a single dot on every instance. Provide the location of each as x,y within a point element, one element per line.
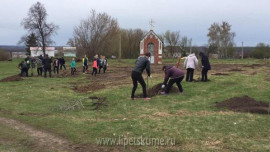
<point>73,70</point>
<point>137,77</point>
<point>94,71</point>
<point>62,65</point>
<point>56,68</point>
<point>24,70</point>
<point>204,74</point>
<point>100,67</point>
<point>189,76</point>
<point>85,68</point>
<point>39,71</point>
<point>104,68</point>
<point>178,83</point>
<point>47,70</point>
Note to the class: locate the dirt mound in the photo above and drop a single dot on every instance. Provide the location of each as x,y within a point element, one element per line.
<point>267,79</point>
<point>155,90</point>
<point>220,74</point>
<point>88,88</point>
<point>236,70</point>
<point>244,104</point>
<point>254,65</point>
<point>12,78</point>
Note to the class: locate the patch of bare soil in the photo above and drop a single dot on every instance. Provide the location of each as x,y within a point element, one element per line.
<point>267,79</point>
<point>45,140</point>
<point>12,78</point>
<point>254,65</point>
<point>89,88</point>
<point>236,70</point>
<point>33,114</point>
<point>244,104</point>
<point>220,74</point>
<point>156,90</point>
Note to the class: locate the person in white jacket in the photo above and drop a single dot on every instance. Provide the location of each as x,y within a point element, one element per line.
<point>190,64</point>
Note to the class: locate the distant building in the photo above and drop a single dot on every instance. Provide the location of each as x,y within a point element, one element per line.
<point>15,51</point>
<point>18,54</point>
<point>37,51</point>
<point>69,51</point>
<point>152,43</point>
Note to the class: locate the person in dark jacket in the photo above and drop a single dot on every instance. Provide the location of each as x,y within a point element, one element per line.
<point>28,61</point>
<point>39,66</point>
<point>98,61</point>
<point>104,63</point>
<point>62,63</point>
<point>205,66</point>
<point>24,68</point>
<point>47,66</point>
<point>85,64</point>
<point>56,66</point>
<point>141,64</point>
<point>176,76</point>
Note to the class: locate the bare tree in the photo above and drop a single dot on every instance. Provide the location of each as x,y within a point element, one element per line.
<point>221,38</point>
<point>130,40</point>
<point>172,39</point>
<point>95,34</point>
<point>36,22</point>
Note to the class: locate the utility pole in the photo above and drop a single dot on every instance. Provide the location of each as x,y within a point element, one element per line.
<point>190,43</point>
<point>242,50</point>
<point>120,51</point>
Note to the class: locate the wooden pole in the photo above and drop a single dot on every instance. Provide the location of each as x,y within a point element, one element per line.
<point>120,51</point>
<point>178,61</point>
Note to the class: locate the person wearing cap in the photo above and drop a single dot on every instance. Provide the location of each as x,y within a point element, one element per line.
<point>175,75</point>
<point>141,63</point>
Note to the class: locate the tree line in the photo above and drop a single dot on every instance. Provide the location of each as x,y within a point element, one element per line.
<point>100,33</point>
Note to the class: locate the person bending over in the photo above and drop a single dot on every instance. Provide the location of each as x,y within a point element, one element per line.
<point>175,75</point>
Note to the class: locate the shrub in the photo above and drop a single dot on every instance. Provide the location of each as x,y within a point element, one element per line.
<point>4,56</point>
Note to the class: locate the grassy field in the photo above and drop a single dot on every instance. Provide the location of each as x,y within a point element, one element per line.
<point>191,119</point>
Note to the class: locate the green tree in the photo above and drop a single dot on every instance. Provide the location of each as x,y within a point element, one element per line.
<point>261,51</point>
<point>31,41</point>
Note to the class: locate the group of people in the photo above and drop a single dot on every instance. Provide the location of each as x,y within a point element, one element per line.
<point>43,65</point>
<point>97,64</point>
<point>172,73</point>
<point>46,64</point>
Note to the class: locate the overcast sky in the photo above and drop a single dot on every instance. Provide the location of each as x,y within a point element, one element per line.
<point>249,18</point>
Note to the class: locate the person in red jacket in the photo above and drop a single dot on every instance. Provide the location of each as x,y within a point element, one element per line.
<point>95,67</point>
<point>176,76</point>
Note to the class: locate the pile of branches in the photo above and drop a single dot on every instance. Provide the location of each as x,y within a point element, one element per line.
<point>82,104</point>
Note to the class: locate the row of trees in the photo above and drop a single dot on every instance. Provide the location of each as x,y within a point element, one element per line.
<point>100,33</point>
